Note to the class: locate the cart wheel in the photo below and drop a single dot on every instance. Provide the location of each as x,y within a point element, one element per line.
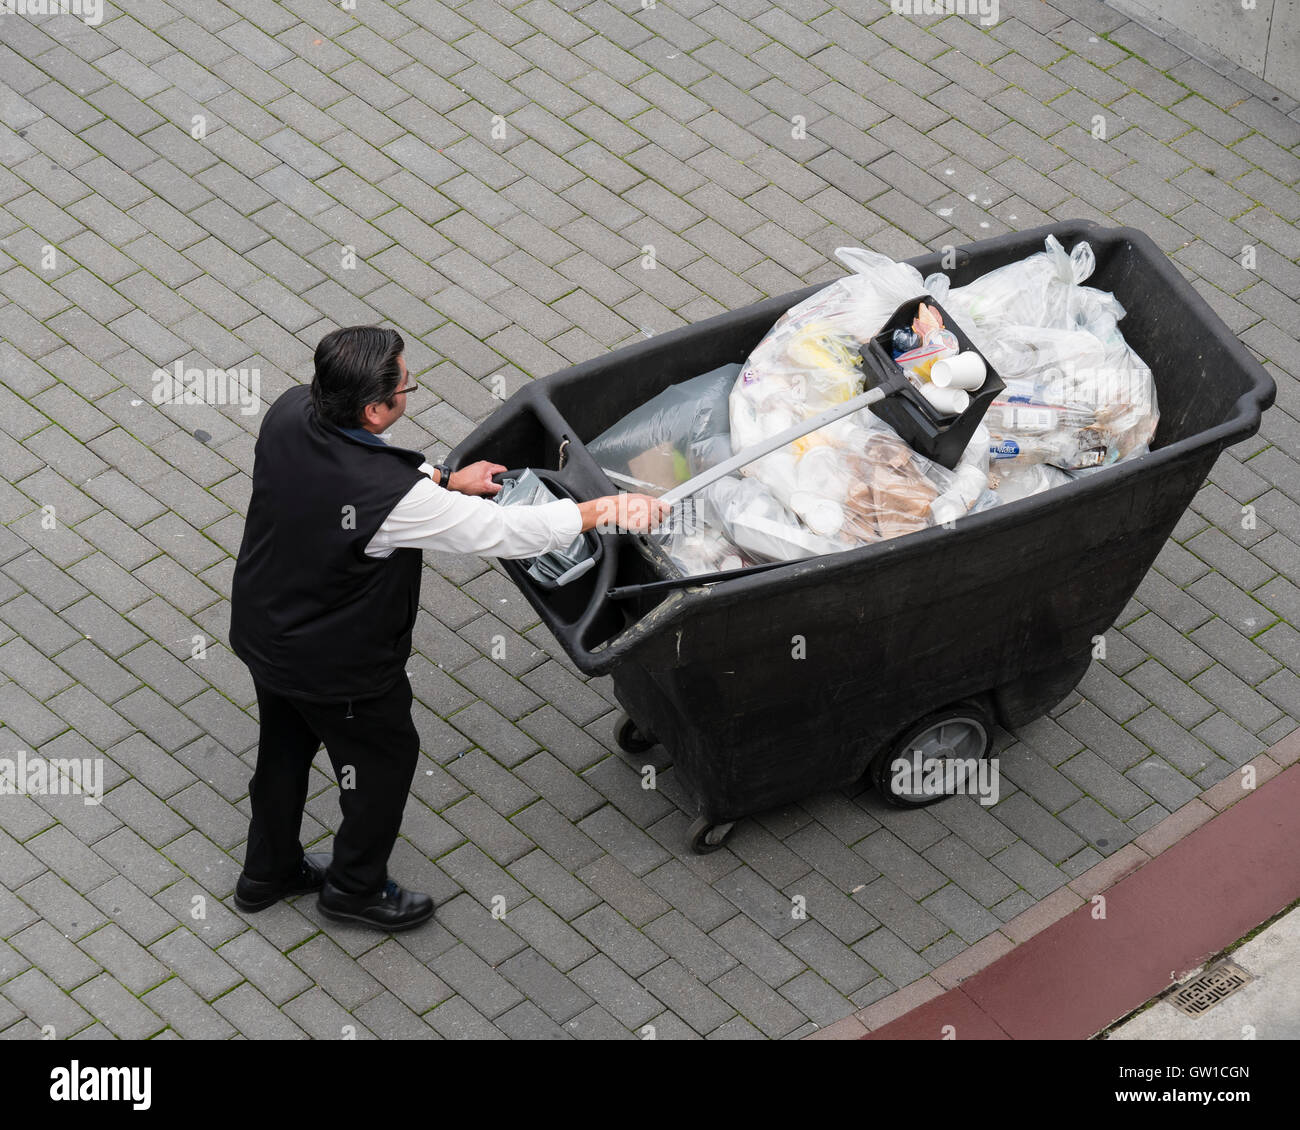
<point>705,837</point>
<point>962,732</point>
<point>629,738</point>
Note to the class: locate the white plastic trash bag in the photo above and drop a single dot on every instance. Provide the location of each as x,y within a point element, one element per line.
<point>809,359</point>
<point>1077,396</point>
<point>1077,399</point>
<point>854,481</point>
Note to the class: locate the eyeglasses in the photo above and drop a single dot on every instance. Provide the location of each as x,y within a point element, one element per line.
<point>406,388</point>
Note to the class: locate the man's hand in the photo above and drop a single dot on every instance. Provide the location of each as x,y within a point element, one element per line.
<point>632,513</point>
<point>476,479</point>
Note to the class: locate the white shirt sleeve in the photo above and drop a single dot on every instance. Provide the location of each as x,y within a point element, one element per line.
<point>429,517</point>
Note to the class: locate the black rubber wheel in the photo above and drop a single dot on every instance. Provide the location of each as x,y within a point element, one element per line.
<point>629,738</point>
<point>705,837</point>
<point>962,732</point>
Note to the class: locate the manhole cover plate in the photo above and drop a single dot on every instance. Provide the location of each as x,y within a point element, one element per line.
<point>1204,991</point>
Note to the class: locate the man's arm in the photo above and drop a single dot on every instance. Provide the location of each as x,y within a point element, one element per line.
<point>430,517</point>
<point>455,521</point>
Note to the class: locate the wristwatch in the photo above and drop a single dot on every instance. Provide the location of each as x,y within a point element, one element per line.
<point>444,475</point>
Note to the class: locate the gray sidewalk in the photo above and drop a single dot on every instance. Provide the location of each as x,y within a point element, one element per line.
<point>497,172</point>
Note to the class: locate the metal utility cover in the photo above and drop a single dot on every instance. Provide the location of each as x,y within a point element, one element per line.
<point>1207,989</point>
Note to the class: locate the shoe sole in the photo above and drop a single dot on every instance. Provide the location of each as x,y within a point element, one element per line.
<point>347,916</point>
<point>264,904</point>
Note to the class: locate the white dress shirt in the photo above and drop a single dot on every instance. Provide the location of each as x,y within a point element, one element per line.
<point>431,517</point>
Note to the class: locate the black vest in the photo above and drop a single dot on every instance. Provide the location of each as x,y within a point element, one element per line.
<point>310,614</point>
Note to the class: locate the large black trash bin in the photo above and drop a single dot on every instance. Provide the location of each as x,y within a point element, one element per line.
<point>769,687</point>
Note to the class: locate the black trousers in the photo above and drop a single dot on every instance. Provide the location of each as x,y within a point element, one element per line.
<point>374,754</point>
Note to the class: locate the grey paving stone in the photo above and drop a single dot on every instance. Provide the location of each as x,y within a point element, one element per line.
<point>117,1009</point>
<point>385,1013</point>
<point>622,839</point>
<point>265,967</point>
<point>255,1016</point>
<point>554,885</point>
<point>45,1004</point>
<point>131,909</point>
<point>623,891</point>
<point>894,958</point>
<point>543,985</point>
<point>60,905</point>
<point>1054,840</point>
<point>1105,737</point>
<point>816,999</point>
<point>597,1024</point>
<point>688,997</point>
<point>528,1022</point>
<point>613,935</point>
<point>204,971</point>
<point>1098,826</point>
<point>187,1014</point>
<point>969,870</point>
<point>1036,776</point>
<point>957,909</point>
<point>887,903</point>
<point>1228,739</point>
<point>757,950</point>
<point>819,848</point>
<point>621,997</point>
<point>41,944</point>
<point>950,945</point>
<point>468,975</point>
<point>552,832</point>
<point>1100,781</point>
<point>124,958</point>
<point>699,954</point>
<point>550,935</point>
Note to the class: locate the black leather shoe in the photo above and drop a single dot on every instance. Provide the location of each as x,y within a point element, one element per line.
<point>393,908</point>
<point>252,895</point>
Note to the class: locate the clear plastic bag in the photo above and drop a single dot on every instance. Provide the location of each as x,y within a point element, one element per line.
<point>1077,396</point>
<point>672,437</point>
<point>809,359</point>
<point>1009,483</point>
<point>559,567</point>
<point>738,521</point>
<point>1077,399</point>
<point>703,548</point>
<point>855,481</point>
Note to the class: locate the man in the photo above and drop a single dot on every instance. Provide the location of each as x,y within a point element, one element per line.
<point>324,597</point>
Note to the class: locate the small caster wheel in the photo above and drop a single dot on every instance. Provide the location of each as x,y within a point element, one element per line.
<point>629,738</point>
<point>934,757</point>
<point>705,837</point>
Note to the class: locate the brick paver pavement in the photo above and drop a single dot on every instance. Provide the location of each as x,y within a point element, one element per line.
<point>221,183</point>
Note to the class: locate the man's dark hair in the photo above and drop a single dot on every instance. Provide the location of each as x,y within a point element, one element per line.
<point>355,366</point>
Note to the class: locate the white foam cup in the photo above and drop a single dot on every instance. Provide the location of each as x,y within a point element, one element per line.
<point>965,371</point>
<point>947,400</point>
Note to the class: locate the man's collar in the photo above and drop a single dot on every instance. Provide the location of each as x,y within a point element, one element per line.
<point>380,440</point>
<point>370,439</point>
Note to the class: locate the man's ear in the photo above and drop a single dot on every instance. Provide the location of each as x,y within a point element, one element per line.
<point>369,414</point>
